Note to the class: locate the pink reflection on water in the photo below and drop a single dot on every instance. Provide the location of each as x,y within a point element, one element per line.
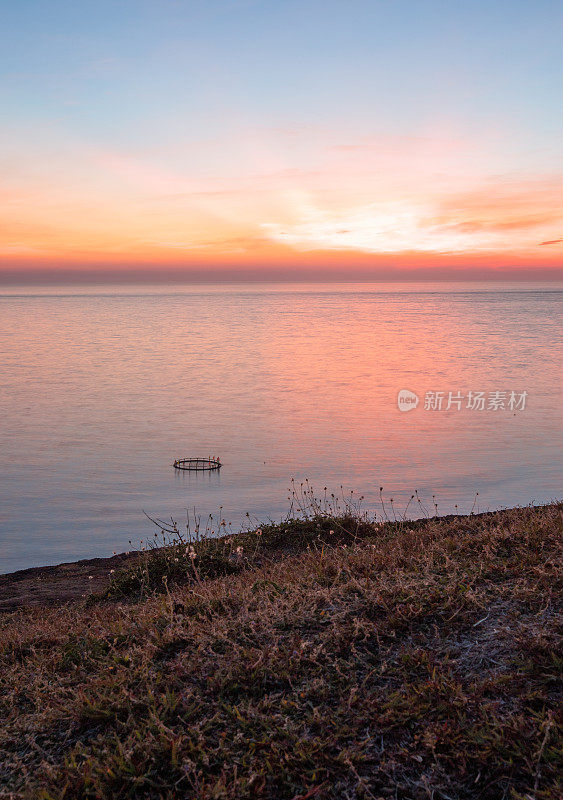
<point>100,392</point>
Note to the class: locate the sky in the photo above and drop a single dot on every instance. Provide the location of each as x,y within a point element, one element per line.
<point>280,138</point>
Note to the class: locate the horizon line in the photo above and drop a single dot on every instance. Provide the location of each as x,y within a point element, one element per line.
<point>73,276</point>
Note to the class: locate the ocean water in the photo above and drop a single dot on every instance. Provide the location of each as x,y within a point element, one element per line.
<point>102,388</point>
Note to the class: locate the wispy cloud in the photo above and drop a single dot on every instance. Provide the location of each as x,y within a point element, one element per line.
<point>506,223</point>
<point>426,194</point>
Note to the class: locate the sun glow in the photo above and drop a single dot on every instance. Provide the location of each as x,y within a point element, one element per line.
<point>380,228</point>
<point>286,203</point>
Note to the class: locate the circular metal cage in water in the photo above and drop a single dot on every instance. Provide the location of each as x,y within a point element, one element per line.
<point>197,464</point>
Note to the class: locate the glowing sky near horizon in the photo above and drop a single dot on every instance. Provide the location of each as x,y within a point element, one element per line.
<point>254,132</point>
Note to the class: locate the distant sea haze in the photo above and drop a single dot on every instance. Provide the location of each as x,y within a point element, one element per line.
<point>102,388</point>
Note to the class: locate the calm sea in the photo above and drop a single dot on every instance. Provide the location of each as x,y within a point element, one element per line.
<point>101,388</point>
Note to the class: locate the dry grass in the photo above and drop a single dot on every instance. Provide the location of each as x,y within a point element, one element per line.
<point>409,660</point>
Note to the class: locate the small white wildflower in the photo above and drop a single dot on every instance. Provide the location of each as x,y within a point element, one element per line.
<point>111,571</point>
<point>90,577</point>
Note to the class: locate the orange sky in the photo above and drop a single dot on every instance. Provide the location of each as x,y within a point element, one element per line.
<point>244,140</point>
<point>397,204</point>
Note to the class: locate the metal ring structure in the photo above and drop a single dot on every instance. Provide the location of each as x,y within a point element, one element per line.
<point>197,464</point>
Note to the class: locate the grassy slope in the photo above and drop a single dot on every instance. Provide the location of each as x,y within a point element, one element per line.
<point>404,661</point>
